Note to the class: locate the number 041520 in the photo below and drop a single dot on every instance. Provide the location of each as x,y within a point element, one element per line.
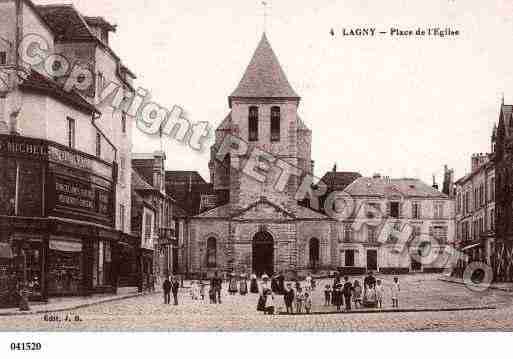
<point>25,346</point>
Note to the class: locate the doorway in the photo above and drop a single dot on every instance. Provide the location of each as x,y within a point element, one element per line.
<point>263,254</point>
<point>372,259</point>
<point>314,253</point>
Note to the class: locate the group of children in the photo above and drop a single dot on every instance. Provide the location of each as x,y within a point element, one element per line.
<point>197,290</point>
<point>372,295</point>
<point>299,299</point>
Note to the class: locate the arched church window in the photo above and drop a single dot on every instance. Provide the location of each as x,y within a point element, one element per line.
<point>275,124</point>
<point>253,123</point>
<point>314,252</point>
<point>211,252</point>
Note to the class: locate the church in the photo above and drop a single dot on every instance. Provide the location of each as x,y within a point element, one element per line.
<point>248,226</point>
<point>258,228</point>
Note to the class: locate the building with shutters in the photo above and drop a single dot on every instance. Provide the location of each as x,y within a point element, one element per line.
<point>484,204</point>
<point>383,209</point>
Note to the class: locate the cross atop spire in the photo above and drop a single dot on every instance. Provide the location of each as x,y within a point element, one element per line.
<point>264,4</point>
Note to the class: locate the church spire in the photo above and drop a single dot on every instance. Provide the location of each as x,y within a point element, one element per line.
<point>501,134</point>
<point>264,76</point>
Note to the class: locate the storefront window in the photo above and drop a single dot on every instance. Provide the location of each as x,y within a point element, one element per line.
<point>33,265</point>
<point>64,267</point>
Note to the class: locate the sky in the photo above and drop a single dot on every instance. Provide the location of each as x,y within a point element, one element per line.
<point>401,107</point>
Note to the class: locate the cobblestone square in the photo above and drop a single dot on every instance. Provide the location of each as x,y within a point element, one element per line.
<point>238,313</point>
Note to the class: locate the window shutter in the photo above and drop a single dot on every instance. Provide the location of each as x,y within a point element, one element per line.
<point>388,209</point>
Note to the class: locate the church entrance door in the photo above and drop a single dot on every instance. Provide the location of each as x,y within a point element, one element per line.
<point>263,254</point>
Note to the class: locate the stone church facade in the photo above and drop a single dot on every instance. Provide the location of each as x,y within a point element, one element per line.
<point>257,228</point>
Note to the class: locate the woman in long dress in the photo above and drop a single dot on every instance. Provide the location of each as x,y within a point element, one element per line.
<point>253,287</point>
<point>243,284</point>
<point>265,282</point>
<point>232,286</point>
<point>274,284</point>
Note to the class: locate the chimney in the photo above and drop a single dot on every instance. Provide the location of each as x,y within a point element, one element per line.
<point>4,127</point>
<point>477,160</point>
<point>435,185</point>
<point>376,176</point>
<point>448,184</point>
<point>158,170</point>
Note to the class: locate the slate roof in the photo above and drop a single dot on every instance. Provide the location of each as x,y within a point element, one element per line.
<point>218,212</point>
<point>507,116</point>
<point>66,22</point>
<point>100,22</point>
<point>264,76</point>
<point>383,187</point>
<point>295,211</point>
<point>187,188</point>
<point>184,178</point>
<point>338,181</point>
<point>138,183</point>
<point>38,82</point>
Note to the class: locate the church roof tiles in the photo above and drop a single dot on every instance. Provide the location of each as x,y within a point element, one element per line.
<point>383,187</point>
<point>264,76</point>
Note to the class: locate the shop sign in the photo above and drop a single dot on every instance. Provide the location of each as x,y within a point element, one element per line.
<point>65,246</point>
<point>108,234</point>
<point>69,158</point>
<point>86,196</point>
<point>74,194</point>
<point>22,146</point>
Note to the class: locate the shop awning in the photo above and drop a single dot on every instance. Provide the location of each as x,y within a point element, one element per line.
<point>471,246</point>
<point>5,251</point>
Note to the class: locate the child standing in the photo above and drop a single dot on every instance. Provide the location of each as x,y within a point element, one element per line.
<point>327,295</point>
<point>194,290</point>
<point>369,297</point>
<point>395,293</point>
<point>269,302</point>
<point>299,300</point>
<point>212,295</point>
<point>202,286</point>
<point>357,293</point>
<point>379,293</point>
<point>288,297</point>
<point>337,296</point>
<point>308,303</point>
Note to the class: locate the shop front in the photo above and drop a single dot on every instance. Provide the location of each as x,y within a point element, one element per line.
<point>64,269</point>
<point>56,220</point>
